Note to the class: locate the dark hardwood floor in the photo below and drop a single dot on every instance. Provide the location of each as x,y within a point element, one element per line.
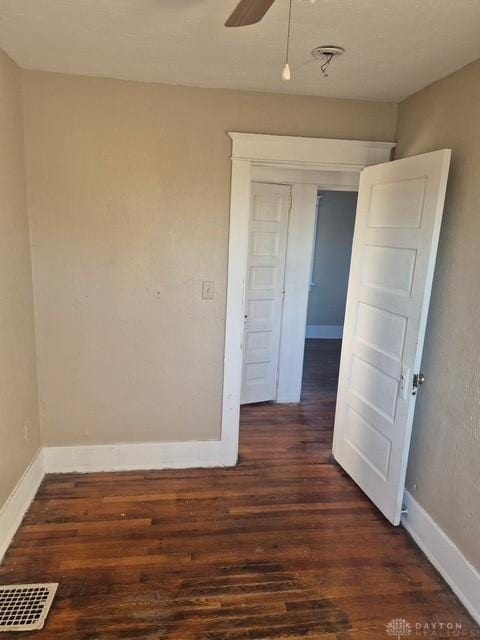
<point>283,546</point>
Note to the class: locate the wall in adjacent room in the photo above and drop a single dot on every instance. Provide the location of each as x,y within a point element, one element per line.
<point>129,201</point>
<point>444,469</point>
<point>19,425</point>
<point>331,265</point>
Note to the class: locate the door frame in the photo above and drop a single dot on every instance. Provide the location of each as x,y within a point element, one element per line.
<point>324,155</point>
<point>305,185</point>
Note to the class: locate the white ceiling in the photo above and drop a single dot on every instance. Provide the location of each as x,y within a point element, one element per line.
<point>393,47</point>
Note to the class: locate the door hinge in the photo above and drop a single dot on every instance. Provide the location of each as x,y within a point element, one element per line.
<point>404,382</point>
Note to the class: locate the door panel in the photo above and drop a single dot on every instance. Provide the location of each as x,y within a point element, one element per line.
<point>399,213</point>
<point>270,205</point>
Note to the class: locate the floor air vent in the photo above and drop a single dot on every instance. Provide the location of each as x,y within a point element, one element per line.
<point>24,607</point>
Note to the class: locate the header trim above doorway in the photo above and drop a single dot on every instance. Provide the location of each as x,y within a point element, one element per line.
<point>250,149</point>
<point>314,153</point>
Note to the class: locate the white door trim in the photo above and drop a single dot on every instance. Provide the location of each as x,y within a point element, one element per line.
<point>298,269</point>
<point>248,149</point>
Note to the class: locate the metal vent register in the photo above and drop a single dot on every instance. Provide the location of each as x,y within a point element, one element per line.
<point>24,607</point>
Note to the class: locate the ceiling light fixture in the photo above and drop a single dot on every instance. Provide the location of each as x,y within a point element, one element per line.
<point>326,53</point>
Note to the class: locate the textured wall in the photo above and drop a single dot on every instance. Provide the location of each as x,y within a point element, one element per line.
<point>444,470</point>
<point>129,202</point>
<point>19,429</point>
<point>333,249</point>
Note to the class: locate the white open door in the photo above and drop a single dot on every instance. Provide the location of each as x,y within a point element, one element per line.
<point>399,214</point>
<point>269,209</point>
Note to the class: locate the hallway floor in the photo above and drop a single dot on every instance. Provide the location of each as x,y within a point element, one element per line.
<point>284,546</point>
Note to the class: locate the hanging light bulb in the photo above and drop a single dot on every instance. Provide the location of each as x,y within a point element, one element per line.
<point>286,73</point>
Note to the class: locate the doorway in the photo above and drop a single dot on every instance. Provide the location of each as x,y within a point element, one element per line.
<point>281,226</point>
<point>327,299</point>
<point>296,284</point>
<point>399,213</point>
<point>336,162</point>
<point>326,280</point>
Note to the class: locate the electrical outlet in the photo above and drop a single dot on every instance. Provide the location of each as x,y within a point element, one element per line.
<point>208,290</point>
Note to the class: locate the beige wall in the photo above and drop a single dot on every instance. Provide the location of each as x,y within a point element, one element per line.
<point>129,202</point>
<point>444,470</point>
<point>19,429</point>
<point>129,196</point>
<point>331,265</point>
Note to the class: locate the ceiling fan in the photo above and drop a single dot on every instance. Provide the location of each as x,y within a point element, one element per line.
<point>250,12</point>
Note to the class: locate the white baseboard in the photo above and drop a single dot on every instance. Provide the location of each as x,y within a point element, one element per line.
<point>446,557</point>
<point>323,331</point>
<point>12,512</point>
<point>129,457</point>
<point>116,457</point>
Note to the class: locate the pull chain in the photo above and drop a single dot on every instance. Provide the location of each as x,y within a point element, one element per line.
<point>286,74</point>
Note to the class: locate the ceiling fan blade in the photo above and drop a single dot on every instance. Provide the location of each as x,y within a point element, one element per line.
<point>248,12</point>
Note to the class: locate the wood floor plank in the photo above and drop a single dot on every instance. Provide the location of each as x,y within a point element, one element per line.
<point>282,547</point>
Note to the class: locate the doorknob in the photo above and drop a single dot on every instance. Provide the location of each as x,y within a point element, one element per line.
<point>418,379</point>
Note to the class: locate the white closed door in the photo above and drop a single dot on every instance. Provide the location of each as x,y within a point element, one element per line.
<point>399,214</point>
<point>269,210</point>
